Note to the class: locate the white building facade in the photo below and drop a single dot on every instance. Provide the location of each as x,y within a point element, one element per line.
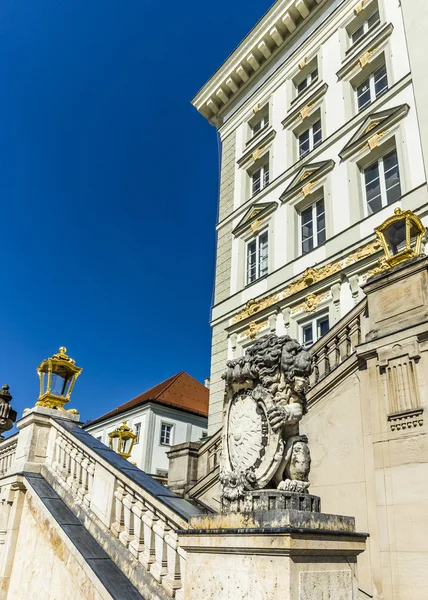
<point>320,143</point>
<point>160,419</point>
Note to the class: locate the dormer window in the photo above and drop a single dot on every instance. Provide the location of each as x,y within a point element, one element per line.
<point>364,23</point>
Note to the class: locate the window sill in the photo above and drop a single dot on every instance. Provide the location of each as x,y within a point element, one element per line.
<point>248,285</point>
<point>306,92</point>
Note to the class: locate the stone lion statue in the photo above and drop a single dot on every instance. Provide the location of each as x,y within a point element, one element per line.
<point>265,389</point>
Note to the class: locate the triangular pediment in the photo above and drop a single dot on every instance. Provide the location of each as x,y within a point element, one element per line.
<point>255,213</point>
<point>309,173</point>
<point>375,124</point>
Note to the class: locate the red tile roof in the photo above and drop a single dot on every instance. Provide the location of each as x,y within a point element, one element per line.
<point>180,391</point>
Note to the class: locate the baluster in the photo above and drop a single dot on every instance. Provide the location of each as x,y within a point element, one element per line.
<point>91,471</point>
<point>332,354</point>
<point>137,544</point>
<point>172,581</point>
<point>127,535</point>
<point>344,343</point>
<point>355,332</point>
<point>77,482</point>
<point>159,568</point>
<point>119,524</point>
<point>83,489</point>
<point>322,363</point>
<point>147,557</point>
<point>72,468</point>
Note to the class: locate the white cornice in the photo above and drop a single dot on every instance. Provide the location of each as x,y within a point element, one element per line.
<point>271,33</point>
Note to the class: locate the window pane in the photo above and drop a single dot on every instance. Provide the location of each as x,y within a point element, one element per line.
<point>373,20</point>
<point>358,33</point>
<point>307,230</point>
<point>302,85</point>
<point>256,181</point>
<point>317,133</point>
<point>263,254</point>
<point>307,337</point>
<point>257,127</point>
<point>251,261</point>
<point>265,175</point>
<point>392,177</point>
<point>320,212</point>
<point>322,326</point>
<point>314,75</point>
<point>304,143</point>
<point>363,94</point>
<point>381,81</point>
<point>371,175</point>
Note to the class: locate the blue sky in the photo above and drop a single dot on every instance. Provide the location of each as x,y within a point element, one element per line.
<point>108,184</point>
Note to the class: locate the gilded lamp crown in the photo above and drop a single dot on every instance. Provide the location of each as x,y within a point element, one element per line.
<point>401,237</point>
<point>122,440</point>
<point>57,375</point>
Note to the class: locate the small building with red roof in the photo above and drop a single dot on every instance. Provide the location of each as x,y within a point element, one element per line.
<point>172,412</point>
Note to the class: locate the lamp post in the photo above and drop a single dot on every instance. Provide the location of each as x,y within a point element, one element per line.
<point>401,236</point>
<point>122,440</point>
<point>57,375</point>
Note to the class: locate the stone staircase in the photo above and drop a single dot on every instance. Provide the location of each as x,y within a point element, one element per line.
<point>121,523</point>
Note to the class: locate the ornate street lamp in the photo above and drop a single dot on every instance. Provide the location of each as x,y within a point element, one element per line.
<point>122,440</point>
<point>57,375</point>
<point>401,236</point>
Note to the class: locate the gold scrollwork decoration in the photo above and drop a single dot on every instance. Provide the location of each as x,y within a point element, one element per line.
<point>253,329</point>
<point>311,302</point>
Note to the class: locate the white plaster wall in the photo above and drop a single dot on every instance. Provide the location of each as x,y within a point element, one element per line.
<point>148,454</point>
<point>42,567</point>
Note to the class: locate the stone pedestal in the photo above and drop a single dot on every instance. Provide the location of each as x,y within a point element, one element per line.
<point>267,555</point>
<point>34,429</point>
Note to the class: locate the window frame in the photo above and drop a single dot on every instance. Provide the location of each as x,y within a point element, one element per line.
<point>367,29</point>
<point>313,322</point>
<point>309,79</point>
<point>310,132</point>
<point>137,431</point>
<point>382,180</point>
<point>171,432</point>
<point>314,218</point>
<point>372,86</point>
<point>263,169</point>
<point>256,238</point>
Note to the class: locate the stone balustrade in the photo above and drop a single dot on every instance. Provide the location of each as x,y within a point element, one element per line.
<point>141,513</point>
<point>7,453</point>
<point>338,344</point>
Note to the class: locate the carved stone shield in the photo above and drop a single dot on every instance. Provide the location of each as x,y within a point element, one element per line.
<point>249,442</point>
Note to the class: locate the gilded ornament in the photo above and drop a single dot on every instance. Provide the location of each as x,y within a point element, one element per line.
<point>256,108</point>
<point>306,189</point>
<point>364,59</point>
<point>302,63</point>
<point>311,302</point>
<point>305,111</point>
<point>309,277</point>
<point>254,328</point>
<point>256,225</point>
<point>257,154</point>
<point>359,7</point>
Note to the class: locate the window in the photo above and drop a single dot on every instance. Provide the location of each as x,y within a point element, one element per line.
<point>313,330</point>
<point>365,27</point>
<point>166,434</point>
<point>137,429</point>
<point>310,139</point>
<point>306,82</point>
<point>373,87</point>
<point>204,434</point>
<point>312,223</point>
<point>260,178</point>
<point>257,257</point>
<point>261,123</point>
<point>161,473</point>
<point>382,182</point>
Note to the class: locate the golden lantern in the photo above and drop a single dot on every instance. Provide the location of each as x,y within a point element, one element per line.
<point>401,236</point>
<point>57,375</point>
<point>122,440</point>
